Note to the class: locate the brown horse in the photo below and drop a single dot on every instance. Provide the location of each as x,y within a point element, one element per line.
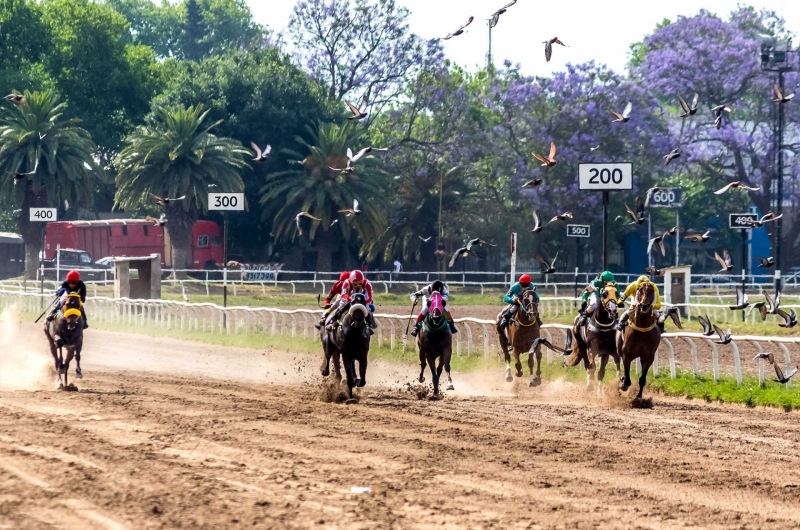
<point>435,341</point>
<point>66,330</point>
<point>350,342</point>
<point>641,337</point>
<point>597,337</point>
<point>522,332</point>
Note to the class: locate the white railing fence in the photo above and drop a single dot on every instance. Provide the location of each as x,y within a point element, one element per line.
<point>476,337</point>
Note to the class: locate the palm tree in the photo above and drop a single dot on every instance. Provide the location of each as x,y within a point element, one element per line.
<point>55,158</point>
<point>176,155</point>
<point>314,188</point>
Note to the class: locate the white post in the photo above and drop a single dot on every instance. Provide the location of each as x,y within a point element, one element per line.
<point>677,239</point>
<point>58,263</point>
<point>513,258</point>
<point>649,236</point>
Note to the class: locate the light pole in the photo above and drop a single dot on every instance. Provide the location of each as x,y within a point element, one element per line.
<point>780,60</point>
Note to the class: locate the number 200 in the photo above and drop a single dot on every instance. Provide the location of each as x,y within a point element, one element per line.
<point>605,176</point>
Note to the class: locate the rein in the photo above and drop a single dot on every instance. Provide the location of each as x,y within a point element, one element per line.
<point>427,327</point>
<point>637,313</point>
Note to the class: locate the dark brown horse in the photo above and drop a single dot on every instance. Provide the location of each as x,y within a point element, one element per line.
<point>597,337</point>
<point>350,341</point>
<point>435,341</point>
<point>520,335</point>
<point>66,331</point>
<point>641,336</point>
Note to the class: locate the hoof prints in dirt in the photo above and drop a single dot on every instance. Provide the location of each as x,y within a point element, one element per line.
<point>422,392</point>
<point>68,388</point>
<point>332,391</point>
<point>642,403</point>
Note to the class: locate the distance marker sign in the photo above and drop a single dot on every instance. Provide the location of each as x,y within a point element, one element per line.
<point>667,198</point>
<point>742,221</point>
<point>579,231</point>
<point>226,201</point>
<point>43,215</point>
<point>605,177</point>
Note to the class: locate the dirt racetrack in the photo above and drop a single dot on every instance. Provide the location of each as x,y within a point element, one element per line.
<point>169,434</point>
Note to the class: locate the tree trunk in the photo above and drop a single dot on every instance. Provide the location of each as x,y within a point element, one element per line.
<point>31,232</point>
<point>323,241</point>
<point>180,224</point>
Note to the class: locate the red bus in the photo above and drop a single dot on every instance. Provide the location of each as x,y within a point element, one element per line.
<point>132,237</point>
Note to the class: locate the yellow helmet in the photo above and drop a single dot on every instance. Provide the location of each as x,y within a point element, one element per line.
<point>642,279</point>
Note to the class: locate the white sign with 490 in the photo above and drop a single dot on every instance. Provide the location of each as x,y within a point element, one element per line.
<point>43,215</point>
<point>226,201</point>
<point>605,177</point>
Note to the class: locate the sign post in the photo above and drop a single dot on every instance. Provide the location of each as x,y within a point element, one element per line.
<point>670,198</point>
<point>578,231</point>
<point>605,178</point>
<point>513,257</point>
<point>743,222</point>
<point>43,215</point>
<point>225,202</point>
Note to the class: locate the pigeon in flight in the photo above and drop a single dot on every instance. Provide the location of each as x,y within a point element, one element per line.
<point>726,262</point>
<point>355,158</point>
<point>699,238</point>
<point>718,110</point>
<point>496,15</point>
<point>261,156</point>
<point>548,47</point>
<point>741,300</point>
<point>625,117</point>
<point>15,98</point>
<point>299,216</point>
<point>360,112</point>
<point>780,377</point>
<point>561,217</point>
<point>425,240</point>
<point>537,223</point>
<point>535,183</point>
<point>766,218</point>
<point>637,216</point>
<point>689,110</point>
<point>672,155</point>
<point>353,211</point>
<point>658,240</point>
<point>761,307</point>
<point>164,201</point>
<point>724,336</point>
<point>767,356</point>
<point>460,30</point>
<point>732,185</point>
<point>549,160</point>
<point>790,319</point>
<point>460,253</point>
<point>652,271</point>
<point>766,263</point>
<point>18,175</point>
<point>649,196</point>
<point>549,267</point>
<point>780,97</point>
<point>477,241</point>
<point>706,323</point>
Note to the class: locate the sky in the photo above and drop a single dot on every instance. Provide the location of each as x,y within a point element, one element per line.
<point>599,30</point>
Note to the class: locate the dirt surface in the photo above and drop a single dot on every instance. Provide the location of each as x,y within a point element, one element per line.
<point>168,434</point>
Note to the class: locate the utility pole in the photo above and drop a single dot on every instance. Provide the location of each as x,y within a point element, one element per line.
<point>489,65</point>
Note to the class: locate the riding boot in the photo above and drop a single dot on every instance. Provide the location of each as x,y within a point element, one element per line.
<point>453,328</point>
<point>85,320</point>
<point>661,327</point>
<point>415,330</point>
<point>53,312</point>
<point>506,321</point>
<point>623,321</point>
<point>371,323</point>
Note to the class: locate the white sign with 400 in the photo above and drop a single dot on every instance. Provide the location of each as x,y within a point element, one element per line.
<point>43,215</point>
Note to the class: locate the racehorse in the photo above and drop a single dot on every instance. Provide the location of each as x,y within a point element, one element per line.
<point>68,327</point>
<point>521,334</point>
<point>641,336</point>
<point>435,341</point>
<point>350,341</point>
<point>597,337</point>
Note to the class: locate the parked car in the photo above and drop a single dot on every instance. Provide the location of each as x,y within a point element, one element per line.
<point>66,259</point>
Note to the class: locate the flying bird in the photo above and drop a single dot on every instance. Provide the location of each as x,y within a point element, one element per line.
<point>672,155</point>
<point>261,156</point>
<point>460,30</point>
<point>15,98</point>
<point>537,223</point>
<point>625,117</point>
<point>352,159</point>
<point>790,319</point>
<point>652,271</point>
<point>637,216</point>
<point>780,378</point>
<point>496,15</point>
<point>658,240</point>
<point>649,196</point>
<point>688,110</point>
<point>477,241</point>
<point>353,211</point>
<point>726,262</point>
<point>333,223</point>
<point>724,336</point>
<point>774,303</point>
<point>17,175</point>
<point>706,323</point>
<point>741,300</point>
<point>549,160</point>
<point>718,110</point>
<point>548,47</point>
<point>347,168</point>
<point>780,97</point>
<point>360,112</point>
<point>766,263</point>
<point>768,356</point>
<point>561,217</point>
<point>535,183</point>
<point>695,238</point>
<point>736,184</point>
<point>425,239</point>
<point>297,220</point>
<point>766,218</point>
<point>161,221</point>
<point>460,253</point>
<point>164,201</point>
<point>549,267</point>
<point>672,231</point>
<point>595,148</point>
<point>761,307</point>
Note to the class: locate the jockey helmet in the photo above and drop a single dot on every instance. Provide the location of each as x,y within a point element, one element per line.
<point>437,286</point>
<point>344,276</point>
<point>525,279</point>
<point>643,279</point>
<point>607,277</point>
<point>73,276</point>
<point>357,278</point>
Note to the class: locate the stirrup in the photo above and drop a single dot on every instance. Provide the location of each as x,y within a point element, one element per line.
<point>415,331</point>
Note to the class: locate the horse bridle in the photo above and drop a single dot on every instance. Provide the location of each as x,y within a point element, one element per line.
<point>527,305</point>
<point>604,301</point>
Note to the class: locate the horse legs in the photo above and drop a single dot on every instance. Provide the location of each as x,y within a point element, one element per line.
<point>601,373</point>
<point>448,353</point>
<point>507,355</point>
<point>70,355</point>
<point>643,377</point>
<point>422,364</point>
<point>434,374</point>
<point>350,373</point>
<point>536,380</point>
<point>517,363</point>
<point>362,372</point>
<point>337,365</point>
<point>626,378</point>
<point>78,349</point>
<point>325,369</point>
<point>590,366</point>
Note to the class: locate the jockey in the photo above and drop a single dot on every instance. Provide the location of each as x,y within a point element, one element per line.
<point>631,291</point>
<point>591,295</point>
<point>439,287</point>
<point>357,283</point>
<point>335,291</point>
<point>512,299</point>
<point>72,284</point>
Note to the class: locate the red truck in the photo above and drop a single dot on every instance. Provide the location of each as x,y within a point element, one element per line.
<point>132,237</point>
